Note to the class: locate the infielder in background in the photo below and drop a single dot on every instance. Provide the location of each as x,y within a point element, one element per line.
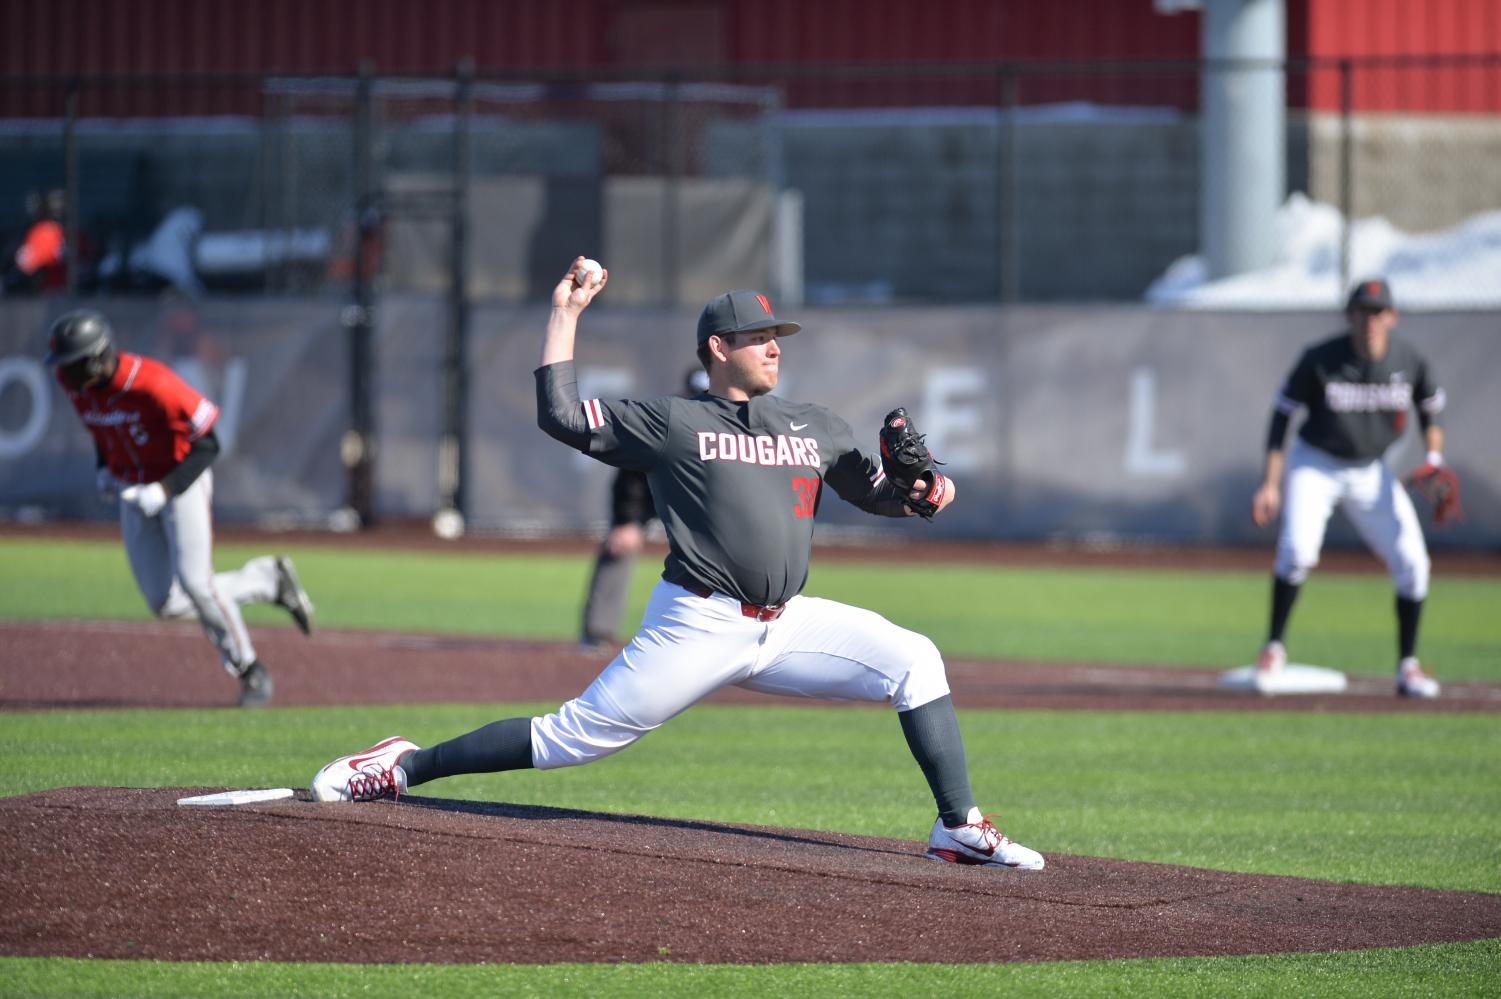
<point>738,475</point>
<point>631,512</point>
<point>154,442</point>
<point>1358,388</point>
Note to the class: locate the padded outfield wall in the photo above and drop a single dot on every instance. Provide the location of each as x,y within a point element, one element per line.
<point>1057,421</point>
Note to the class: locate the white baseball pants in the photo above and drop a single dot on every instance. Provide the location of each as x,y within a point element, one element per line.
<point>172,558</point>
<point>1373,499</point>
<point>690,646</point>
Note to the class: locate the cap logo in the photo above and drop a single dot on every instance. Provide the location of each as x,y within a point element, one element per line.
<point>764,303</point>
<point>1373,287</point>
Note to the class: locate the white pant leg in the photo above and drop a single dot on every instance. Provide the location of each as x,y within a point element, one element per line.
<point>187,520</point>
<point>252,583</point>
<point>688,647</point>
<point>150,558</point>
<point>831,651</point>
<point>1383,514</point>
<point>1309,495</point>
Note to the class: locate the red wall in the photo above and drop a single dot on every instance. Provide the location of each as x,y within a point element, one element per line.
<point>1354,28</point>
<point>137,38</point>
<point>332,36</point>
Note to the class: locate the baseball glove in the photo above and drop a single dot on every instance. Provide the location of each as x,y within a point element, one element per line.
<point>906,458</point>
<point>1440,487</point>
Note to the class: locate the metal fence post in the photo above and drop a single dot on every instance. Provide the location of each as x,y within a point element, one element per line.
<point>1346,169</point>
<point>1005,193</point>
<point>672,139</point>
<point>358,446</point>
<point>70,184</point>
<point>453,449</point>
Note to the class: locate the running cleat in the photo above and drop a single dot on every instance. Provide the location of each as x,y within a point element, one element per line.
<point>1271,661</point>
<point>365,776</point>
<point>291,596</point>
<point>255,686</point>
<point>1413,682</point>
<point>979,842</point>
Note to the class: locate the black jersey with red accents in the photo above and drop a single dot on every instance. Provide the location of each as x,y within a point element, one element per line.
<point>1358,407</point>
<point>736,484</point>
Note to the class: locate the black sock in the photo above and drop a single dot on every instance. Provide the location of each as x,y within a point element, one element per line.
<point>1283,596</point>
<point>502,745</point>
<point>1408,612</point>
<point>932,732</point>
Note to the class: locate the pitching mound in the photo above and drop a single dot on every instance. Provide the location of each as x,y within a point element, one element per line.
<point>118,873</point>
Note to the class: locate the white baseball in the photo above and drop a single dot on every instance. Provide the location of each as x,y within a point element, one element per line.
<point>588,274</point>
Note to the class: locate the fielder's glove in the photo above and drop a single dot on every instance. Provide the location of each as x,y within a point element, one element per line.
<point>106,483</point>
<point>906,458</point>
<point>1440,487</point>
<point>148,498</point>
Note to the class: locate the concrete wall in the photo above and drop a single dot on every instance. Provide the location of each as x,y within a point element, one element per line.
<point>1055,421</point>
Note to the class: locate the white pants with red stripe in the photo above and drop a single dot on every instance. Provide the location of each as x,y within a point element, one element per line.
<point>172,558</point>
<point>1374,500</point>
<point>690,646</point>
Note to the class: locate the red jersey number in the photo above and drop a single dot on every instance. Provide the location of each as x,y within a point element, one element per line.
<point>807,495</point>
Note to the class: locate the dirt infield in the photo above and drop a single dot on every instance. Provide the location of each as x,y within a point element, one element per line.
<point>116,873</point>
<point>98,664</point>
<point>111,872</point>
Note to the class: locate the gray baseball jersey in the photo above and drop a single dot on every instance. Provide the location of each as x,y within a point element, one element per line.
<point>737,484</point>
<point>1357,407</point>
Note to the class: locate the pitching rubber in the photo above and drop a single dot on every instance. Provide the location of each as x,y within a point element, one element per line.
<point>246,797</point>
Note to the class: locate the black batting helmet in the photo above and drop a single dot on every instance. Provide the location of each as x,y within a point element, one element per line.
<point>78,334</point>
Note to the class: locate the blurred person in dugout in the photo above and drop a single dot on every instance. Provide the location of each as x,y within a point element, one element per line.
<point>40,263</point>
<point>631,511</point>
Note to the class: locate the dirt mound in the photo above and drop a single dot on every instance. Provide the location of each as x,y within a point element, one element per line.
<point>120,873</point>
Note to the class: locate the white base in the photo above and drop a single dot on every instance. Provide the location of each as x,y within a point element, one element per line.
<point>1294,678</point>
<point>238,797</point>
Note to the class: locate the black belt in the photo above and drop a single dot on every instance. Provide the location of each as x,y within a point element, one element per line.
<point>755,611</point>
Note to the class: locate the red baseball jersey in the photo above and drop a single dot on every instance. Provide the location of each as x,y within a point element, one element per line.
<point>144,420</point>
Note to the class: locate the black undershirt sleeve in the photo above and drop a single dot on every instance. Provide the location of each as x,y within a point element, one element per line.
<point>631,499</point>
<point>1276,431</point>
<point>205,450</point>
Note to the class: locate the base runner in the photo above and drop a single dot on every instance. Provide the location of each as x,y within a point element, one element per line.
<point>154,442</point>
<point>738,475</point>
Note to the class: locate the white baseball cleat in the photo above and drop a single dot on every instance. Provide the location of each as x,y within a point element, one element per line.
<point>291,596</point>
<point>1272,660</point>
<point>364,776</point>
<point>979,842</point>
<point>1413,682</point>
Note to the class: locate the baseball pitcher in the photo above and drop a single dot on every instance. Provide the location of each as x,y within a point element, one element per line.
<point>154,442</point>
<point>738,475</point>
<point>1358,388</point>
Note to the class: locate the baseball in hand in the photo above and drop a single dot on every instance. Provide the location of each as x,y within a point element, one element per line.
<point>588,273</point>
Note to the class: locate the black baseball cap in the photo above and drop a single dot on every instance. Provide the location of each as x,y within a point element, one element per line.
<point>740,311</point>
<point>1372,293</point>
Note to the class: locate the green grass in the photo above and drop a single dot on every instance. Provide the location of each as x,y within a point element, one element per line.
<point>1450,970</point>
<point>1381,799</point>
<point>1166,617</point>
<point>1386,799</point>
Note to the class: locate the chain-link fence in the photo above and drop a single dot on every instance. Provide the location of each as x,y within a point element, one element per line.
<point>1017,182</point>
